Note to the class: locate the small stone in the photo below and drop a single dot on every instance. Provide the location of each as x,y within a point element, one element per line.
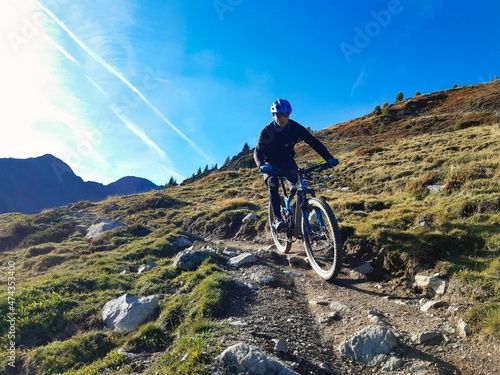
<point>280,345</point>
<point>431,305</point>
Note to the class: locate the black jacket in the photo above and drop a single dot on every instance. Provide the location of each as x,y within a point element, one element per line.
<point>276,145</point>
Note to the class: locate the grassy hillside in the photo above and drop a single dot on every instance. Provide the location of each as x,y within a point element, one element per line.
<point>379,192</point>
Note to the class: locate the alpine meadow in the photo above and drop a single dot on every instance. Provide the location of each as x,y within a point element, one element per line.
<point>416,192</point>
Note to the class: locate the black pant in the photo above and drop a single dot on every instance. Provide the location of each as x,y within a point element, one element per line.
<point>288,170</point>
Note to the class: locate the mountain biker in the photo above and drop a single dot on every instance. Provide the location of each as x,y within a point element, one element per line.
<point>275,151</point>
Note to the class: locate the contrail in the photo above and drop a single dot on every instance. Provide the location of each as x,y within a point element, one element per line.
<point>60,48</point>
<point>148,141</point>
<point>122,78</point>
<point>140,133</point>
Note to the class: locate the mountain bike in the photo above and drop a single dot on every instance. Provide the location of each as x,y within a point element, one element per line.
<point>311,220</point>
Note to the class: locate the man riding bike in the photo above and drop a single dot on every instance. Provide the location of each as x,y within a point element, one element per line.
<point>275,151</point>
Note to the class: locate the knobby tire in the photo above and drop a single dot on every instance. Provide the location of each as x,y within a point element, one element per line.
<point>283,241</point>
<point>323,244</point>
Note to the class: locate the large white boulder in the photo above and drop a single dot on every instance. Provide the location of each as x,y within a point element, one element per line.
<point>126,313</point>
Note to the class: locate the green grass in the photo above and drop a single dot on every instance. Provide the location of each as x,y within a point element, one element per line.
<point>69,355</point>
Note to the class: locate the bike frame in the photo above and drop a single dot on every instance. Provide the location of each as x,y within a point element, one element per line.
<point>311,220</point>
<point>301,190</point>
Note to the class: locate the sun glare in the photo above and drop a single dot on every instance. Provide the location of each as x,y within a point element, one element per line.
<point>30,82</point>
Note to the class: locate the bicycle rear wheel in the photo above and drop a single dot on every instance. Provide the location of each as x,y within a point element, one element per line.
<point>322,239</point>
<point>283,241</point>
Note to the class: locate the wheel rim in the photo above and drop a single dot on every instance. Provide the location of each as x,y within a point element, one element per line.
<point>281,240</point>
<point>322,241</point>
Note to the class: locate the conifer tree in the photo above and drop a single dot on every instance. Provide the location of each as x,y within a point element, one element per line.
<point>385,109</point>
<point>399,97</point>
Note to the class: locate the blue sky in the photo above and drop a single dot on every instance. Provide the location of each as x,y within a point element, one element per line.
<point>158,89</point>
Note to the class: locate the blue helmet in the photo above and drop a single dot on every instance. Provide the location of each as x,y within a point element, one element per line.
<point>281,106</point>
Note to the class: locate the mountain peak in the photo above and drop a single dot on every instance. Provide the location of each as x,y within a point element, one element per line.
<point>33,184</point>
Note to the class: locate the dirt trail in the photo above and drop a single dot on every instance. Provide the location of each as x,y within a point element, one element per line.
<point>296,307</point>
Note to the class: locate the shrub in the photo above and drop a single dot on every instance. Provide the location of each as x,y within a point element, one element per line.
<point>418,187</point>
<point>385,109</point>
<point>52,233</point>
<point>465,124</point>
<point>12,234</point>
<point>368,150</point>
<point>459,176</point>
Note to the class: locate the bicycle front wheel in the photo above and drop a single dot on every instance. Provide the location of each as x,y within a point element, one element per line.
<point>283,241</point>
<point>322,239</point>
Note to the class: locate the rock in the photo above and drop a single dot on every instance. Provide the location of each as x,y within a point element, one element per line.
<point>280,345</point>
<point>338,306</point>
<point>237,323</point>
<point>190,259</point>
<point>262,278</point>
<point>364,269</point>
<point>150,264</point>
<point>242,259</point>
<point>295,261</point>
<point>431,305</point>
<point>328,318</point>
<point>230,252</point>
<point>392,364</point>
<point>462,329</point>
<point>112,207</point>
<point>81,228</point>
<point>425,337</point>
<point>423,368</point>
<point>459,308</point>
<point>243,358</point>
<point>101,226</point>
<point>129,355</point>
<point>250,218</point>
<point>435,188</point>
<point>126,313</point>
<point>362,272</point>
<point>370,345</point>
<point>422,224</point>
<point>182,242</point>
<point>431,285</point>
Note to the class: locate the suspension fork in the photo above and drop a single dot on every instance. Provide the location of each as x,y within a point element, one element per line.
<point>305,212</point>
<point>301,212</point>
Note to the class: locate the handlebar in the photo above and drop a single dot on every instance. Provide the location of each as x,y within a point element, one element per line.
<point>306,171</point>
<point>317,167</point>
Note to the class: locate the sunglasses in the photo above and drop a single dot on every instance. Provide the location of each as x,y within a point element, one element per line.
<point>278,115</point>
